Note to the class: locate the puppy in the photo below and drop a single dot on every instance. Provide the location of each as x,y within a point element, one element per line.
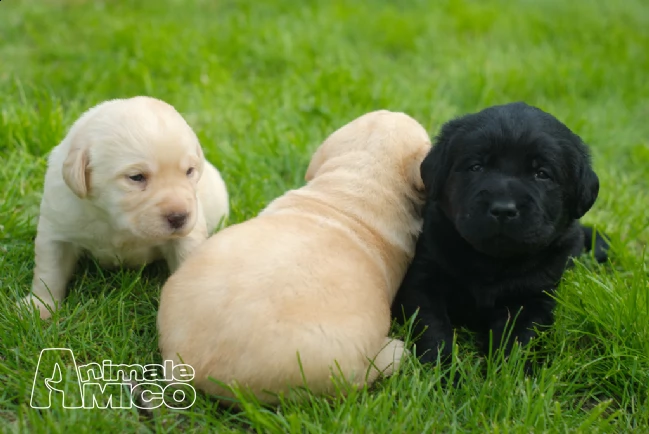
<point>302,292</point>
<point>129,185</point>
<point>505,189</point>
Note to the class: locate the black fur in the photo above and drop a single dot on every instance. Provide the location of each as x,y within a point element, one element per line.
<point>505,189</point>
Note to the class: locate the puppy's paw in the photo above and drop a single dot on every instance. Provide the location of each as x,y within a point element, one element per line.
<point>434,350</point>
<point>388,360</point>
<point>504,343</point>
<point>596,243</point>
<point>31,302</point>
<point>429,357</point>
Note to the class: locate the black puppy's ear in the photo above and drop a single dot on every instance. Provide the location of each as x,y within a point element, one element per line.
<point>436,167</point>
<point>586,185</point>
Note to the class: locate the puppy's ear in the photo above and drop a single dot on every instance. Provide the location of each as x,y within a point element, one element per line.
<point>586,185</point>
<point>437,165</point>
<point>414,169</point>
<point>201,159</point>
<point>317,160</point>
<point>75,167</point>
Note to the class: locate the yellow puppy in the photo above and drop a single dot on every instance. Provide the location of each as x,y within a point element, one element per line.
<point>128,184</point>
<point>314,274</point>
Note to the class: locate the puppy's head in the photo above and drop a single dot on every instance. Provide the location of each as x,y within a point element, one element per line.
<point>396,142</point>
<point>138,161</point>
<point>511,178</point>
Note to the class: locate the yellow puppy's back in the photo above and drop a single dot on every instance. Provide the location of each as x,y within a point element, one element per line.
<point>314,273</point>
<point>243,311</point>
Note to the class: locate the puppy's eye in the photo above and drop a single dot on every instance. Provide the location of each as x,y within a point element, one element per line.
<point>137,178</point>
<point>190,171</point>
<point>476,168</point>
<point>541,174</point>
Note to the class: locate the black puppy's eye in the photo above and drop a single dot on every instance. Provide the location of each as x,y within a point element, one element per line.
<point>190,171</point>
<point>137,178</point>
<point>476,168</point>
<point>541,174</point>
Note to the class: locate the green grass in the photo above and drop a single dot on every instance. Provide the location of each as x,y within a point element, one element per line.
<point>263,83</point>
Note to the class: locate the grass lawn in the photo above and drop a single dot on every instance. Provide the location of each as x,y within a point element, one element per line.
<point>263,83</point>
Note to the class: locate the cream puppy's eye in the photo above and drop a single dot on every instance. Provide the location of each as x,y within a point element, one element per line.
<point>190,171</point>
<point>137,178</point>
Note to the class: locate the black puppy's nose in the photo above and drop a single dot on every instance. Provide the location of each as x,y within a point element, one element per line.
<point>503,210</point>
<point>177,219</point>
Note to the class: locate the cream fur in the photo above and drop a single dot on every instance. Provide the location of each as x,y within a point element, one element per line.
<point>90,205</point>
<point>314,273</point>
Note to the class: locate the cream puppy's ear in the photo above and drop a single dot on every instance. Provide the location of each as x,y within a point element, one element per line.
<point>316,161</point>
<point>75,167</point>
<point>414,169</point>
<point>201,158</point>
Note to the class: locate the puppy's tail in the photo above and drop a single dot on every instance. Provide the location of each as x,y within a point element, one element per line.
<point>595,242</point>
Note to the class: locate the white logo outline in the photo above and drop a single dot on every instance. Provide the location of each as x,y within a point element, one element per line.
<point>89,390</point>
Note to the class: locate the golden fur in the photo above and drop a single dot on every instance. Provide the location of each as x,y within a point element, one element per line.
<point>314,273</point>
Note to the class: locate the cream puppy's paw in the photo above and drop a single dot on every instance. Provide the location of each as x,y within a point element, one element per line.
<point>31,301</point>
<point>388,360</point>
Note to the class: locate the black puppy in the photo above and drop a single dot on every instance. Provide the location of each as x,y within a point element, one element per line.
<point>505,189</point>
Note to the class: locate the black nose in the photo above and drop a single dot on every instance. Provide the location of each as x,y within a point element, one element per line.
<point>503,210</point>
<point>177,219</point>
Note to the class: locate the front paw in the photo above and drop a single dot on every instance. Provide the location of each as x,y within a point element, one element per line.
<point>503,339</point>
<point>434,350</point>
<point>45,309</point>
<point>596,243</point>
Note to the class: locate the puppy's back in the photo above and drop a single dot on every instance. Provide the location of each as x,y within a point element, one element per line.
<point>242,310</point>
<point>304,289</point>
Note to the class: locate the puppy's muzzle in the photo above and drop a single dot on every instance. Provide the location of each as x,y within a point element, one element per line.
<point>177,220</point>
<point>504,210</point>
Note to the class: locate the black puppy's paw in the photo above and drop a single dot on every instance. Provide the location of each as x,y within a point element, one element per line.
<point>441,354</point>
<point>522,337</point>
<point>434,350</point>
<point>502,338</point>
<point>598,246</point>
<point>428,357</point>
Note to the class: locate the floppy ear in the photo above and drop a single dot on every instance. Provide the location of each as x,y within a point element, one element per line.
<point>414,169</point>
<point>201,159</point>
<point>586,186</point>
<point>75,167</point>
<point>317,160</point>
<point>437,165</point>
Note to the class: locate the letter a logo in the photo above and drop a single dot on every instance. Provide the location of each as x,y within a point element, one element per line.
<point>56,372</point>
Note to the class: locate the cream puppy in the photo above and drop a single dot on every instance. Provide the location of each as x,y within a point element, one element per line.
<point>312,276</point>
<point>128,184</point>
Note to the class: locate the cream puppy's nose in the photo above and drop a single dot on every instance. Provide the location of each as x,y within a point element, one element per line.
<point>177,219</point>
